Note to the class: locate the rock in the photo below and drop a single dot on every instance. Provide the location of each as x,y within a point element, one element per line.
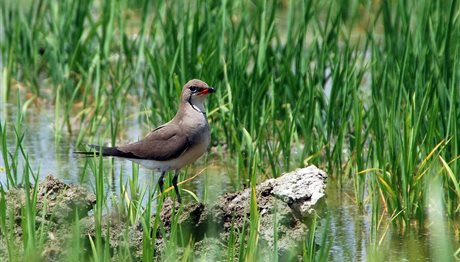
<point>301,189</point>
<point>288,201</point>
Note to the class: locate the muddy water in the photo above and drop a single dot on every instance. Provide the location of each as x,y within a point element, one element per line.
<point>349,229</point>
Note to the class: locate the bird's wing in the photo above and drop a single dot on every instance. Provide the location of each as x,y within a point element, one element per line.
<point>163,143</point>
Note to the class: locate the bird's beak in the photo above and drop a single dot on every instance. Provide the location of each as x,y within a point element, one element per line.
<point>206,91</point>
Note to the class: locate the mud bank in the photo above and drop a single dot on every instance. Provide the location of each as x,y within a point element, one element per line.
<point>285,203</point>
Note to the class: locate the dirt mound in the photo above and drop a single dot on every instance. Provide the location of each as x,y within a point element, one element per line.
<point>284,206</point>
<point>57,204</point>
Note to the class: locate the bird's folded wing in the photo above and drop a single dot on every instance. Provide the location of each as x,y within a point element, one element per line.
<point>163,143</point>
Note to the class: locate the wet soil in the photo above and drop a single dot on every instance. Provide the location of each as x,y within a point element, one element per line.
<point>285,206</point>
<point>57,204</point>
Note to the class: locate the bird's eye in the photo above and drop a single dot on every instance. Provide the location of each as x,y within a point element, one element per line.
<point>193,89</point>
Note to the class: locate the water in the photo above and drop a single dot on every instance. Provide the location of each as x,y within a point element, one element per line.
<point>49,157</point>
<point>350,232</point>
<point>349,229</point>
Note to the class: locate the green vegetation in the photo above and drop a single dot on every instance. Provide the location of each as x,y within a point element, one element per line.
<point>369,91</point>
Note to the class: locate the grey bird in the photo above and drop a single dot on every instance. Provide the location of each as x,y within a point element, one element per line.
<point>173,145</point>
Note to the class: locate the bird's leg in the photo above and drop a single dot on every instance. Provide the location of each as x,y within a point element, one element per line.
<point>176,189</point>
<point>161,181</point>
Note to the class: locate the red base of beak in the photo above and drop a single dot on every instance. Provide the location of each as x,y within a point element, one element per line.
<point>207,91</point>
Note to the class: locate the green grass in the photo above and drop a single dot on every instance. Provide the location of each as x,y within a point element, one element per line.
<point>388,127</point>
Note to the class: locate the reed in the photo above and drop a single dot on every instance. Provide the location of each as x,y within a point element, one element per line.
<point>368,91</point>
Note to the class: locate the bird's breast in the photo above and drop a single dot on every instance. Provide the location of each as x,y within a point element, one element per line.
<point>199,138</point>
<point>194,126</point>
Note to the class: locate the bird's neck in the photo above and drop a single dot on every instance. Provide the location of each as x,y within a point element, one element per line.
<point>197,104</point>
<point>191,110</point>
<point>199,107</point>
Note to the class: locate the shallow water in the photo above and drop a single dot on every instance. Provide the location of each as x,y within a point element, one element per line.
<point>48,157</point>
<point>349,229</point>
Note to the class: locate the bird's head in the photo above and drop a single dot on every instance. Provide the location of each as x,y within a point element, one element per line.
<point>194,92</point>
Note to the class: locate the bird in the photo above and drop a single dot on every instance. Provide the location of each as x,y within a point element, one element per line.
<point>173,145</point>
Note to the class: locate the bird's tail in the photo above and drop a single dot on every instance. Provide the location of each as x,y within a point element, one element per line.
<point>99,150</point>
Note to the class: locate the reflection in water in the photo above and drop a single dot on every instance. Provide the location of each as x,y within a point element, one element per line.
<point>350,232</point>
<point>349,228</point>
